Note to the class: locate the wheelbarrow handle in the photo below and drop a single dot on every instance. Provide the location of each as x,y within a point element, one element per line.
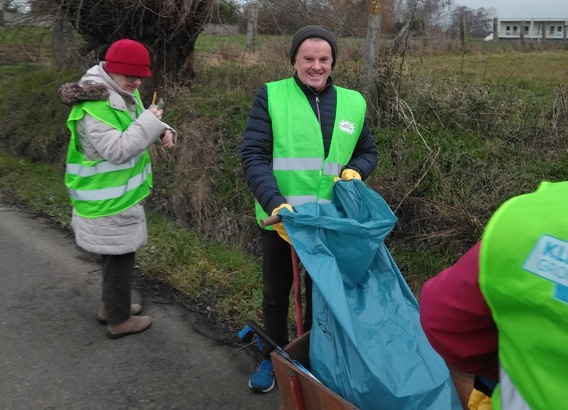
<point>263,335</point>
<point>260,332</point>
<point>271,220</point>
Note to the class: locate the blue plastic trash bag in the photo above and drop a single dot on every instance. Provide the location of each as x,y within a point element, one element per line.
<point>366,342</point>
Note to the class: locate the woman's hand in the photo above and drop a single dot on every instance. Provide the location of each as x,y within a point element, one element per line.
<point>156,111</point>
<point>167,139</point>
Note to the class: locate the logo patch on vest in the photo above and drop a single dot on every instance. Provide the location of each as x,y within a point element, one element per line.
<point>549,260</point>
<point>347,126</point>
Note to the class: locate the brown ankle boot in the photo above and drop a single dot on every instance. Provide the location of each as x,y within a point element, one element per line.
<point>136,324</point>
<point>135,310</point>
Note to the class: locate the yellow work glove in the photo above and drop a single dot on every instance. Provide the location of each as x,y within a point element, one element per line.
<point>279,227</point>
<point>347,175</point>
<point>479,401</point>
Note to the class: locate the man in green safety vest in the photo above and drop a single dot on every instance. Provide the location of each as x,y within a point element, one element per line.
<point>108,173</point>
<point>303,133</point>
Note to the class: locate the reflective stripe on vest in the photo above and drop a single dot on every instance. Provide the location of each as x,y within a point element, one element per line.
<point>111,193</point>
<point>306,164</point>
<point>506,392</point>
<point>523,275</point>
<point>100,188</point>
<point>100,168</point>
<point>302,173</point>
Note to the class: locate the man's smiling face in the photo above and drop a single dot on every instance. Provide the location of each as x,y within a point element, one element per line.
<point>313,62</point>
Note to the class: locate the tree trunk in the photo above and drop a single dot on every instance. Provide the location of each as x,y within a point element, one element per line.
<point>168,28</point>
<point>371,58</point>
<point>59,53</point>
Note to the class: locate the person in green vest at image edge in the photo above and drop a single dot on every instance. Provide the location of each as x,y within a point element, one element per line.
<point>303,133</point>
<point>500,312</point>
<point>109,173</point>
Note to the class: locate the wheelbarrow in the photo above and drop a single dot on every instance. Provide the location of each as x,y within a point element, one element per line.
<point>314,395</point>
<point>299,388</point>
<point>300,392</point>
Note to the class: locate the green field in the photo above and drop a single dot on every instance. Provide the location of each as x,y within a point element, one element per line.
<point>544,70</point>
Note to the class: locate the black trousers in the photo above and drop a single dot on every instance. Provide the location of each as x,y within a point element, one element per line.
<point>117,282</point>
<point>278,277</point>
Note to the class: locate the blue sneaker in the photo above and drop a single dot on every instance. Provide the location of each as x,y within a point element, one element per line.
<point>262,380</point>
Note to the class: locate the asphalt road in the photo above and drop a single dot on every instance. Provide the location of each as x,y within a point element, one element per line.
<point>54,355</point>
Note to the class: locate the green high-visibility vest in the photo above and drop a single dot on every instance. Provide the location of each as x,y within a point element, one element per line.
<point>100,188</point>
<point>301,171</point>
<point>524,279</point>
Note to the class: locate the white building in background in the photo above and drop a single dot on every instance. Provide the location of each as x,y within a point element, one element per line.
<point>530,29</point>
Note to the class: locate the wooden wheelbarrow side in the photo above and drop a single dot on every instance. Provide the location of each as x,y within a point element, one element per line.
<point>311,394</point>
<point>300,392</point>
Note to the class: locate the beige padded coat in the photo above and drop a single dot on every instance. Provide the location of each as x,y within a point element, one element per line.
<point>126,231</point>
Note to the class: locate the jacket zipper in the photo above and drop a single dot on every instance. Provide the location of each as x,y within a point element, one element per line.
<point>319,113</point>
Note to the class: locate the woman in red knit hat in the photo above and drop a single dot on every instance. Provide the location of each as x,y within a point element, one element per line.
<point>109,173</point>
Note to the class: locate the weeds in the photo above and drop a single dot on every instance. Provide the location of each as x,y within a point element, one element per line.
<point>455,140</point>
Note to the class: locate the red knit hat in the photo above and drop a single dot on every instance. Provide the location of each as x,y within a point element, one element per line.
<point>128,57</point>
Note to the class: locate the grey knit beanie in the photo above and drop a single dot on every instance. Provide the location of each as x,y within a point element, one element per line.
<point>309,32</point>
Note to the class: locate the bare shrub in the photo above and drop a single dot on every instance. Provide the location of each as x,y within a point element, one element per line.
<point>559,121</point>
<point>195,161</point>
<point>428,223</point>
<point>200,183</point>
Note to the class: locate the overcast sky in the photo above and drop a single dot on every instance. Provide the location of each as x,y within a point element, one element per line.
<point>521,8</point>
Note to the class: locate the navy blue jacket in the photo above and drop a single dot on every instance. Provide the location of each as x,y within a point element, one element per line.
<point>256,149</point>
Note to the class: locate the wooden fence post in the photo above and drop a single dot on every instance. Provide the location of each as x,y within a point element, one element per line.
<point>252,26</point>
<point>370,63</point>
<point>59,41</point>
<point>463,31</point>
